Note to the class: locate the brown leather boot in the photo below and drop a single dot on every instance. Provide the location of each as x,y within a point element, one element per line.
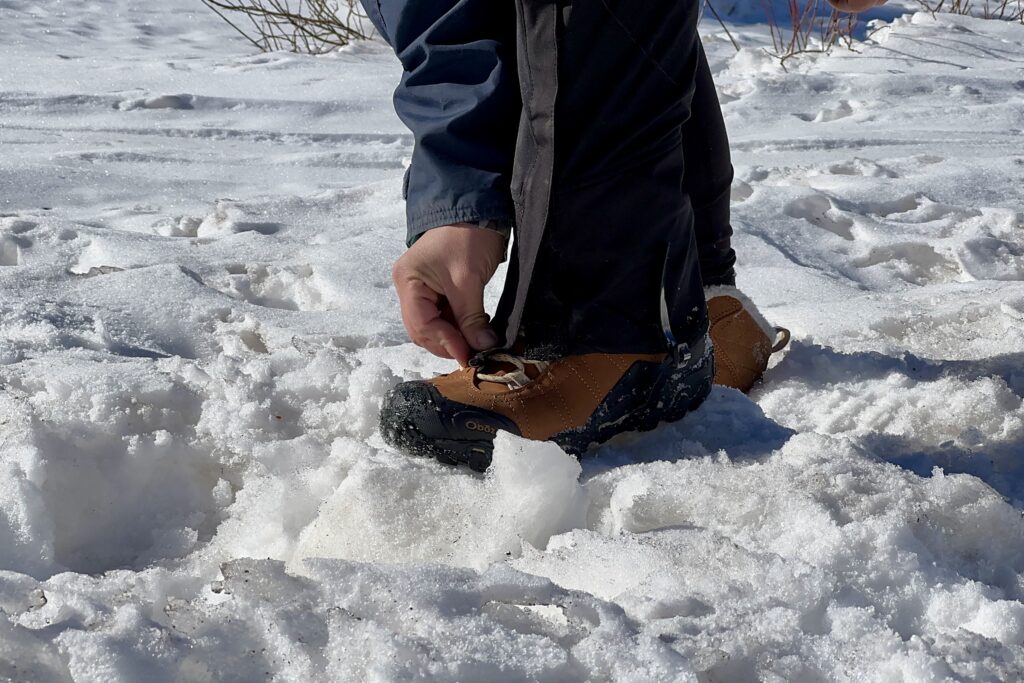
<point>576,401</point>
<point>743,339</point>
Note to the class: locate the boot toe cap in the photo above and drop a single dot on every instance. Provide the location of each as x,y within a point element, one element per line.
<point>408,414</point>
<point>417,419</point>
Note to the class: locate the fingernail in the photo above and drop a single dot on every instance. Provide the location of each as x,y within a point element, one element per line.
<point>486,340</point>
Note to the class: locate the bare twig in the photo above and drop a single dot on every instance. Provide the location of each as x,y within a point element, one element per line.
<point>809,30</point>
<point>309,26</point>
<point>1005,10</point>
<point>721,23</point>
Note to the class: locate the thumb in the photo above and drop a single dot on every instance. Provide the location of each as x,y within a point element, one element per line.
<point>467,306</point>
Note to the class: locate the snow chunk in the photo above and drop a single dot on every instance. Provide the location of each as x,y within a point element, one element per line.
<point>421,512</point>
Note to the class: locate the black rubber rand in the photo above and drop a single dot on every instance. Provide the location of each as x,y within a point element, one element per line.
<point>416,419</point>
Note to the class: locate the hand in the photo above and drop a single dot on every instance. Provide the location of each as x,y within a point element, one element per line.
<point>855,6</point>
<point>440,282</point>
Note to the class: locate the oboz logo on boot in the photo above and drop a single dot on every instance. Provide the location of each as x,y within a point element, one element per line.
<point>480,427</point>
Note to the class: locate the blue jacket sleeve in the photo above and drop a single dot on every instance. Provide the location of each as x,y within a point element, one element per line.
<point>459,95</point>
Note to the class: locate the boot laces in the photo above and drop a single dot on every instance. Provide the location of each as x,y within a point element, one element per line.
<point>514,379</point>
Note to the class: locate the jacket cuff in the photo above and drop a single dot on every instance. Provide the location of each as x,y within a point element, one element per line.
<point>423,218</point>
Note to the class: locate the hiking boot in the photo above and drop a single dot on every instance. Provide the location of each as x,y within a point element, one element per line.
<point>575,401</point>
<point>743,339</point>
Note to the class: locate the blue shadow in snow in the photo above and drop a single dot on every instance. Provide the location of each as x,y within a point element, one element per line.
<point>999,463</point>
<point>727,421</point>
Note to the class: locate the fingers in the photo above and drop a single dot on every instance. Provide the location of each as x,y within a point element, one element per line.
<point>421,314</point>
<point>440,282</point>
<point>467,304</point>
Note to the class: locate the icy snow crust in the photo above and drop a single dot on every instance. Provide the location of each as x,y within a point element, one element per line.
<point>196,330</point>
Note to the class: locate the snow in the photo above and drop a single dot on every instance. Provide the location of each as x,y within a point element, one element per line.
<point>197,328</point>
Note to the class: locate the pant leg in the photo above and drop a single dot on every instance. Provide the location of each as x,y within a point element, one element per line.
<point>604,228</point>
<point>708,180</point>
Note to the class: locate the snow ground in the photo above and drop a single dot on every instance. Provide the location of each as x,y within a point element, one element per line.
<point>196,329</point>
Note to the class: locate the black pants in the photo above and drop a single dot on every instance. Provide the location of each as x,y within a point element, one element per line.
<point>610,169</point>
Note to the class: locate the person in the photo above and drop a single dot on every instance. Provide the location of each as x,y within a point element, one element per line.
<point>590,128</point>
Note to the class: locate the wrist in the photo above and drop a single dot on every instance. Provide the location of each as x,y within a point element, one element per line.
<point>503,228</point>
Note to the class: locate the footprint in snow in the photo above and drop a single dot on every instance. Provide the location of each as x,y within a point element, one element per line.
<point>10,252</point>
<point>183,102</point>
<point>862,167</point>
<point>17,226</point>
<point>177,226</point>
<point>288,288</point>
<point>819,211</point>
<point>915,262</point>
<point>917,209</point>
<point>841,110</point>
<point>13,240</point>
<point>741,191</point>
<point>227,218</point>
<point>992,258</point>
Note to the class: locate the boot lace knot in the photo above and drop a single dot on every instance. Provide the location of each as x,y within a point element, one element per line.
<point>518,376</point>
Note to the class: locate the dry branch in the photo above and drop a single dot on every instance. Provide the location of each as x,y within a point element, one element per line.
<point>807,29</point>
<point>308,26</point>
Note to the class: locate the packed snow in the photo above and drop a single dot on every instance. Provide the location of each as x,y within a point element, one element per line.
<point>197,328</point>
